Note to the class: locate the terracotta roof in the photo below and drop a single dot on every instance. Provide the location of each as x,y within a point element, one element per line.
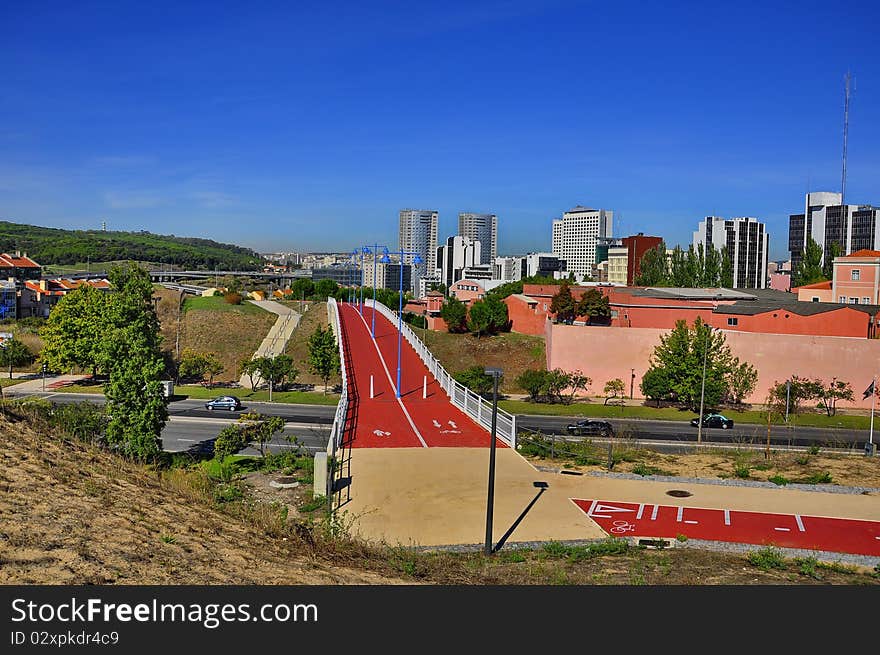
<point>864,253</point>
<point>17,261</point>
<point>817,285</point>
<point>434,294</point>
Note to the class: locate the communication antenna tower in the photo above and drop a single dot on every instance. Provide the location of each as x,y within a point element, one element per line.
<point>846,99</point>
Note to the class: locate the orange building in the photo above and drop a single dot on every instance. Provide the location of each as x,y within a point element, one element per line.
<point>856,278</point>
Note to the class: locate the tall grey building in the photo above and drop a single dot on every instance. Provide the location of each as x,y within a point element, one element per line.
<point>575,236</point>
<point>482,228</point>
<point>418,233</point>
<point>747,245</point>
<point>851,227</point>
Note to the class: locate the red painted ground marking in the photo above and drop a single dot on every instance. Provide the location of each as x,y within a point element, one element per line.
<point>436,419</point>
<point>624,519</point>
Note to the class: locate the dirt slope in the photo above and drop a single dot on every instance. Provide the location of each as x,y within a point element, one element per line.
<point>70,514</point>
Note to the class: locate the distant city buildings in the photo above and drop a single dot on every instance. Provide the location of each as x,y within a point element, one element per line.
<point>387,276</point>
<point>458,254</point>
<point>482,228</point>
<point>418,234</point>
<point>575,236</point>
<point>747,246</point>
<point>851,227</point>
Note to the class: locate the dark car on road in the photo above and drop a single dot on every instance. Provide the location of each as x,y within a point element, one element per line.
<point>224,402</point>
<point>590,426</point>
<point>713,421</point>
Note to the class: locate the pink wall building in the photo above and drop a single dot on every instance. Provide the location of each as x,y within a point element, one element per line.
<point>856,278</point>
<point>605,353</point>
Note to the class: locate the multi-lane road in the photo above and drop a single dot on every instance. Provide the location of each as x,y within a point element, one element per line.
<point>191,426</point>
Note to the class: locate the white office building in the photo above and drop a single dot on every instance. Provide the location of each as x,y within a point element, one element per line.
<point>418,234</point>
<point>747,244</point>
<point>509,269</point>
<point>575,235</point>
<point>482,228</point>
<point>459,254</point>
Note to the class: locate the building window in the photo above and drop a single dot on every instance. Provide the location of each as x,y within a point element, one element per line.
<point>733,321</point>
<point>866,301</point>
<point>614,313</point>
<point>853,301</point>
<point>841,299</point>
<point>854,275</point>
<point>815,299</point>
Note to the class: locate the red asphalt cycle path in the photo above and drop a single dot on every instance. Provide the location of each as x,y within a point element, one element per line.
<point>819,533</point>
<point>412,421</point>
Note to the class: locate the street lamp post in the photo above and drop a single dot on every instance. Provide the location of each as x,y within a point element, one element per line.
<point>417,259</point>
<point>632,382</point>
<point>490,500</point>
<point>374,249</point>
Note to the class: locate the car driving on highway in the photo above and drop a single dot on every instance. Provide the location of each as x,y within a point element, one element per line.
<point>713,421</point>
<point>590,426</point>
<point>224,402</point>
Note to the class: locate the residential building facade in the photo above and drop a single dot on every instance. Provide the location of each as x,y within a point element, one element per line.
<point>575,236</point>
<point>418,234</point>
<point>387,276</point>
<point>458,254</point>
<point>482,228</point>
<point>747,244</point>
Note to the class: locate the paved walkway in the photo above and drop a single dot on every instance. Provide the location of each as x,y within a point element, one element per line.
<point>401,489</point>
<point>279,334</point>
<point>52,383</point>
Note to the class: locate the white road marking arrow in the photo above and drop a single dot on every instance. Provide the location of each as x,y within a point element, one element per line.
<point>454,426</point>
<point>381,433</point>
<point>437,423</point>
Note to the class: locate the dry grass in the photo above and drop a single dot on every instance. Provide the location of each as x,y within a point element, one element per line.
<point>298,348</point>
<point>232,334</point>
<point>512,352</point>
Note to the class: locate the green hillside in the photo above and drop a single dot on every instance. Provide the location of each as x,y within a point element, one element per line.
<point>50,246</point>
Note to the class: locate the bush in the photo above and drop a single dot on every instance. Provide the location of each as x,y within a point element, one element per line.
<point>823,477</point>
<point>766,559</point>
<point>232,298</point>
<point>778,479</point>
<point>82,421</point>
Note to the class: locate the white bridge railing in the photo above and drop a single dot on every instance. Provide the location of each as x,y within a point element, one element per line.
<point>336,432</point>
<point>472,404</point>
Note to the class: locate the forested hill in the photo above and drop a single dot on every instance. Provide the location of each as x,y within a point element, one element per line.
<point>47,245</point>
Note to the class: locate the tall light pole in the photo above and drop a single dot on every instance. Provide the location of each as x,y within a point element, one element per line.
<point>490,500</point>
<point>703,386</point>
<point>374,249</point>
<point>417,259</point>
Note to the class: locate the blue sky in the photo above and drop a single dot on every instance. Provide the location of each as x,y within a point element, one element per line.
<point>308,125</point>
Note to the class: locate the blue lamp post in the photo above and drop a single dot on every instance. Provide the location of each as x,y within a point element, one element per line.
<point>417,259</point>
<point>374,250</point>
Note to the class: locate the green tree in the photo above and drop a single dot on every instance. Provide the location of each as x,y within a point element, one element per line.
<point>614,389</point>
<point>325,288</point>
<point>230,440</point>
<point>594,305</point>
<point>711,268</point>
<point>742,379</point>
<point>302,288</point>
<point>681,353</point>
<point>656,384</point>
<point>323,354</point>
<point>828,394</point>
<point>198,366</point>
<point>131,352</point>
<point>534,382</point>
<point>792,393</point>
<point>259,429</point>
<point>455,313</point>
<point>563,304</point>
<point>654,268</point>
<point>487,316</point>
<point>809,270</point>
<point>726,274</point>
<point>14,353</point>
<point>834,251</point>
<point>577,382</point>
<point>250,367</point>
<point>73,333</point>
<point>276,370</point>
<point>476,379</point>
<point>678,273</point>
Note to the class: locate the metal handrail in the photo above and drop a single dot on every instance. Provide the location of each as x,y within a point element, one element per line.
<point>336,432</point>
<point>472,404</point>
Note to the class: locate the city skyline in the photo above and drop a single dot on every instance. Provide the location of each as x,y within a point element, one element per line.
<point>291,141</point>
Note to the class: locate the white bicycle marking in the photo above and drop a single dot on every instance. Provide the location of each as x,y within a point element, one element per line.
<point>623,526</point>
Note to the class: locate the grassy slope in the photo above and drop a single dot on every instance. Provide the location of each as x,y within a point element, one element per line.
<point>73,514</point>
<point>512,352</point>
<point>232,332</point>
<point>298,348</point>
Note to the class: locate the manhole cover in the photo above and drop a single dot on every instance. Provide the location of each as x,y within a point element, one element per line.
<point>679,493</point>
